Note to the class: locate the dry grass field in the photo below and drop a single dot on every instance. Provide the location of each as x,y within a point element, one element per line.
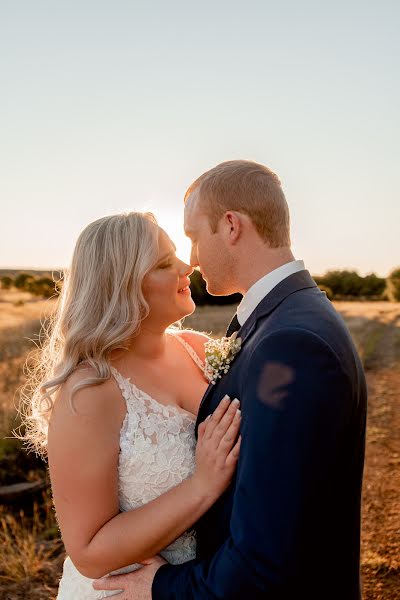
<point>31,557</point>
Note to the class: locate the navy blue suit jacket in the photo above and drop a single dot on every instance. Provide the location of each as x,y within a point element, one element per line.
<point>289,524</point>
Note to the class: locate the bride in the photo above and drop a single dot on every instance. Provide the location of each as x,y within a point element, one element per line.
<point>117,391</point>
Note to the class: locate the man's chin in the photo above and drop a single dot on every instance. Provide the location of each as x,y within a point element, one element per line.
<point>215,290</point>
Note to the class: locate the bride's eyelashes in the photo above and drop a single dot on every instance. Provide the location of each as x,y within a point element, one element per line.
<point>165,265</point>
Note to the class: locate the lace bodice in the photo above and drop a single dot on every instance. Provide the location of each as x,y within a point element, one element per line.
<point>157,452</point>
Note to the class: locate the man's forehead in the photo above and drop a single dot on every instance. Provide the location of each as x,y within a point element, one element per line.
<point>191,212</point>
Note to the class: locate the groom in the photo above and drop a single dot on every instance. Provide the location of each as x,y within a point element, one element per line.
<point>289,525</point>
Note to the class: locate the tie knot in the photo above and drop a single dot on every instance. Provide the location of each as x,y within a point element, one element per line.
<point>233,326</point>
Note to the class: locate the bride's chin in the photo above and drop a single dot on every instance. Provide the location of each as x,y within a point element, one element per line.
<point>188,310</point>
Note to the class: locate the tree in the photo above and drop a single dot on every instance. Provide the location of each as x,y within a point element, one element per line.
<point>349,284</point>
<point>6,282</point>
<point>373,286</point>
<point>393,282</point>
<point>22,280</point>
<point>201,296</point>
<point>327,291</point>
<point>198,288</point>
<point>42,286</point>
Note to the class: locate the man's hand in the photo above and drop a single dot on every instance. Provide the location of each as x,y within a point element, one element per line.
<point>135,585</point>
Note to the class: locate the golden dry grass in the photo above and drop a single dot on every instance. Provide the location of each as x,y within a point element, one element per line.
<point>29,542</point>
<point>17,308</point>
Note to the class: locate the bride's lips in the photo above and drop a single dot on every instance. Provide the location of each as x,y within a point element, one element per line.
<point>185,290</point>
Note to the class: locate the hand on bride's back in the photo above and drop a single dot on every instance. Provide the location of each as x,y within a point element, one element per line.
<point>218,447</point>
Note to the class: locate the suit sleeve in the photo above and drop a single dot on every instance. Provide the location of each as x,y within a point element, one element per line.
<point>296,405</point>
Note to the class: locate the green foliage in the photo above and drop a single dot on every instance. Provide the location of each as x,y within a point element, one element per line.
<point>327,291</point>
<point>349,284</point>
<point>373,285</point>
<point>342,283</point>
<point>198,287</point>
<point>201,296</point>
<point>6,282</point>
<point>394,285</point>
<point>42,286</point>
<point>336,284</point>
<point>21,281</point>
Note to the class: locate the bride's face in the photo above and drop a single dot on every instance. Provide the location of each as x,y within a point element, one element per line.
<point>166,286</point>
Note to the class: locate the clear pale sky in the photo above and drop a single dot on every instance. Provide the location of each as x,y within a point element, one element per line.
<point>114,106</point>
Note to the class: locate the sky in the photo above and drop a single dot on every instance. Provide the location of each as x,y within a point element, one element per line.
<point>109,107</point>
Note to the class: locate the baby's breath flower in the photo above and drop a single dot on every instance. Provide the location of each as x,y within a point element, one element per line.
<point>219,356</point>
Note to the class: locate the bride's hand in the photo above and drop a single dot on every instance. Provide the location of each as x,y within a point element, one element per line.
<point>217,450</point>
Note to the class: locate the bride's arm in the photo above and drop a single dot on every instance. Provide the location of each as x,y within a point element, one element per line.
<point>83,450</point>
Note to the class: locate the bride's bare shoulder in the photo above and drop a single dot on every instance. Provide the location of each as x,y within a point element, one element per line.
<point>83,392</point>
<point>196,339</point>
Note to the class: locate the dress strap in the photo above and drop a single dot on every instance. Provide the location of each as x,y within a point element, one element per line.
<point>191,351</point>
<point>123,382</point>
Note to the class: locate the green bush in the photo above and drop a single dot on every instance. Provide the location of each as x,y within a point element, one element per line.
<point>22,281</point>
<point>6,282</point>
<point>201,296</point>
<point>42,286</point>
<point>327,291</point>
<point>349,284</point>
<point>393,284</point>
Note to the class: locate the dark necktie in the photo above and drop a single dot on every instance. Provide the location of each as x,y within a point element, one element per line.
<point>233,326</point>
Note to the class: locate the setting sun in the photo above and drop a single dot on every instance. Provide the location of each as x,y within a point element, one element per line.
<point>174,228</point>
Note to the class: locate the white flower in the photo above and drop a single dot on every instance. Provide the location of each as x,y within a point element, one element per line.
<point>219,356</point>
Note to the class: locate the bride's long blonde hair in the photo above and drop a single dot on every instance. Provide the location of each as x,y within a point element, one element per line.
<point>100,308</point>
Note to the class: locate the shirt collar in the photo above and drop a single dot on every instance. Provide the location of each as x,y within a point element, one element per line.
<point>263,286</point>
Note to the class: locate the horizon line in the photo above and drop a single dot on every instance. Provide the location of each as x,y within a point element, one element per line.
<point>60,269</point>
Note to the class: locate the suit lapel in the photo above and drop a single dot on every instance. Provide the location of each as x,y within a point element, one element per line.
<point>243,333</point>
<point>294,283</point>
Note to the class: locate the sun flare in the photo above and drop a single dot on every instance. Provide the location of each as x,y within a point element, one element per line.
<point>174,228</point>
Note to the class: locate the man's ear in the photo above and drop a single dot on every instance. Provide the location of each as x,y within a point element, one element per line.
<point>233,226</point>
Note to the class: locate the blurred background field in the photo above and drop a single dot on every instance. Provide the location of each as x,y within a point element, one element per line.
<point>32,553</point>
<point>109,107</point>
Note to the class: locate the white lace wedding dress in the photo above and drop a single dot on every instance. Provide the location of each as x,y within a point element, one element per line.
<point>157,452</point>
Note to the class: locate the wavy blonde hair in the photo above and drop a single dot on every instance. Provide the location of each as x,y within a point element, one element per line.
<point>100,308</point>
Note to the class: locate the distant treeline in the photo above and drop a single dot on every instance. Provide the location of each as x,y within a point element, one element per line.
<point>338,285</point>
<point>41,283</point>
<point>349,285</point>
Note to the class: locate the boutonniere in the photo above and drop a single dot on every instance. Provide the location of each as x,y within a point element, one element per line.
<point>219,356</point>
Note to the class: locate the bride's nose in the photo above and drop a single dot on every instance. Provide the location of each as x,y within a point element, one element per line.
<point>185,269</point>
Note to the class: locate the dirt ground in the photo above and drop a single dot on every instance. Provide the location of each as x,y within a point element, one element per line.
<point>381,492</point>
<point>376,330</point>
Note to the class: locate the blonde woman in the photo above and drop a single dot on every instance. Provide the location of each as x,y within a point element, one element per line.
<point>116,404</point>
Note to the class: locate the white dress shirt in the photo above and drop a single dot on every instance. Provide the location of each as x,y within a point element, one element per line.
<point>263,286</point>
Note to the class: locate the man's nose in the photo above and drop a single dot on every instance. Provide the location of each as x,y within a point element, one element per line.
<point>194,261</point>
